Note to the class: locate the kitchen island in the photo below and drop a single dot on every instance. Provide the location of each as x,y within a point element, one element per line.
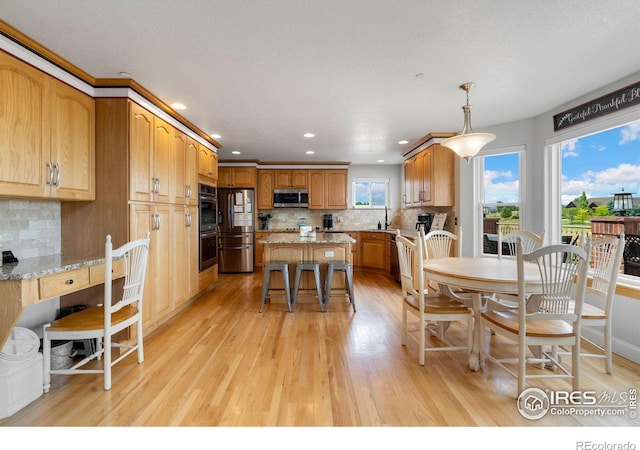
<point>292,247</point>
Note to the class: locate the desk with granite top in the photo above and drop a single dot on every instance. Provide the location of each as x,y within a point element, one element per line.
<point>33,280</point>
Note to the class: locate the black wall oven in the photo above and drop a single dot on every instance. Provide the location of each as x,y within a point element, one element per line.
<point>208,227</point>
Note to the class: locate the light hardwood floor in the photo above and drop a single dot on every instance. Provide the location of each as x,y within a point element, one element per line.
<point>221,363</point>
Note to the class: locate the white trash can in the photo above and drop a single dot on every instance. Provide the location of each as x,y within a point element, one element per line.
<point>20,371</point>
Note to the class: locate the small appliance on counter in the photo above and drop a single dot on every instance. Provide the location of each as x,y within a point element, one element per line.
<point>424,221</point>
<point>327,221</point>
<point>264,221</point>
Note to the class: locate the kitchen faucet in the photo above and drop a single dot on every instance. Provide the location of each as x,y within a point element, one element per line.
<point>386,224</point>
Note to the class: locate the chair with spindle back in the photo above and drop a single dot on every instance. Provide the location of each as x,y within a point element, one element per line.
<point>104,322</point>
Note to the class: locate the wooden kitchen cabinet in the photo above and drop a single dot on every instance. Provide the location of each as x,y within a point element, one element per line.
<point>237,177</point>
<point>335,185</point>
<point>160,270</point>
<point>207,162</point>
<point>178,189</point>
<point>184,253</point>
<point>372,250</point>
<point>140,147</point>
<point>72,144</point>
<point>161,161</point>
<point>290,178</point>
<point>265,189</point>
<point>354,248</point>
<point>47,140</point>
<point>316,189</point>
<point>429,175</point>
<point>191,172</point>
<point>259,249</point>
<point>328,188</point>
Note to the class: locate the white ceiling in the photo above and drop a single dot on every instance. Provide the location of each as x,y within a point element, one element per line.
<point>261,73</point>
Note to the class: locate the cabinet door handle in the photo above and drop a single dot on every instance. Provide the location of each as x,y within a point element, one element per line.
<point>69,282</point>
<point>50,167</point>
<point>56,166</point>
<point>158,189</point>
<point>157,221</point>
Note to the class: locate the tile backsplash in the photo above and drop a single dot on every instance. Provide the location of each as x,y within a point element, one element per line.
<point>351,219</point>
<point>30,228</point>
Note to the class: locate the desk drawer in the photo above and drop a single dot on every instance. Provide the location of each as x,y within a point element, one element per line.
<point>63,283</point>
<point>96,273</point>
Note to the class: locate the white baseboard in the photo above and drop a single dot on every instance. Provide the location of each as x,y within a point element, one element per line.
<point>620,347</point>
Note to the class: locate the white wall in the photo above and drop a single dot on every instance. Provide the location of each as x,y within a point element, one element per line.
<point>534,134</point>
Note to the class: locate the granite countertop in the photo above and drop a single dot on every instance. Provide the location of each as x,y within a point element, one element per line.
<point>47,265</point>
<point>319,238</point>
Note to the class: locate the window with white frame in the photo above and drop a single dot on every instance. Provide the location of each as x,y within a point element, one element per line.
<point>499,194</point>
<point>370,193</point>
<point>571,147</point>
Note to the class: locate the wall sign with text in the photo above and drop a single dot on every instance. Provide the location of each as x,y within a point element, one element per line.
<point>620,99</point>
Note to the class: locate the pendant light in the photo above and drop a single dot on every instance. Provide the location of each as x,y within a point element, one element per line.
<point>467,144</point>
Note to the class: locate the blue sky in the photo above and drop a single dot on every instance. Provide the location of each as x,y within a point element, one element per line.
<point>599,165</point>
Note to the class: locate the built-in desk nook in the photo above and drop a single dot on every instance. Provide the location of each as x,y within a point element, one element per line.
<point>34,280</point>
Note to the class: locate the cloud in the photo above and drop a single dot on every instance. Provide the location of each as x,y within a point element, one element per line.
<point>569,148</point>
<point>603,183</point>
<point>490,175</point>
<point>630,133</point>
<point>506,191</point>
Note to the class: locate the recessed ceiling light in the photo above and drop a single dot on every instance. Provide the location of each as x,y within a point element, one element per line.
<point>215,136</point>
<point>381,160</point>
<point>235,152</point>
<point>310,152</point>
<point>178,106</point>
<point>309,135</point>
<point>125,74</point>
<point>403,142</point>
<point>419,75</point>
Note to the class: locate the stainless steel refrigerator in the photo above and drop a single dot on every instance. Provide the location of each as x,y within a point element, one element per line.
<point>235,230</point>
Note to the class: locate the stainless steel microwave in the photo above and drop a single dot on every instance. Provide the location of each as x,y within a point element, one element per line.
<point>290,198</point>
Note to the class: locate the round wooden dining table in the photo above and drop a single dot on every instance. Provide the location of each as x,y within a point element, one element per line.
<point>481,275</point>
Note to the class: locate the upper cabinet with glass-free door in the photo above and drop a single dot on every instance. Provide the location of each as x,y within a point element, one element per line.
<point>47,145</point>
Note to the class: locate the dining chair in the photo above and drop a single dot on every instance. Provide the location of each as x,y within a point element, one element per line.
<point>426,306</point>
<point>606,258</point>
<point>530,242</point>
<point>103,322</point>
<point>550,318</point>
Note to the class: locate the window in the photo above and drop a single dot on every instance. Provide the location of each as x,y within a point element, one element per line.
<point>595,169</point>
<point>370,192</point>
<point>499,190</point>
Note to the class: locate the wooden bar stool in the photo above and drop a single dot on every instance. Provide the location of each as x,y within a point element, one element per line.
<point>275,266</point>
<point>342,266</point>
<point>310,266</point>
